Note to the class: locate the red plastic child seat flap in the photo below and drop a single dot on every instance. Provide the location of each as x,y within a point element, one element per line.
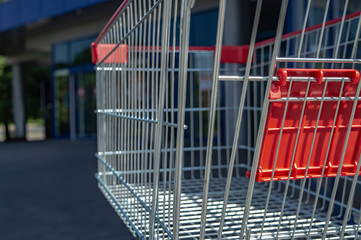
<point>289,146</point>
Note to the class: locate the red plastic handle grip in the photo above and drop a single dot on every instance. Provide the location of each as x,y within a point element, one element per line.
<point>283,73</point>
<point>353,74</point>
<point>318,74</point>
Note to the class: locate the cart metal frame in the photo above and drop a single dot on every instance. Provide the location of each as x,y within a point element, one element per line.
<point>184,132</point>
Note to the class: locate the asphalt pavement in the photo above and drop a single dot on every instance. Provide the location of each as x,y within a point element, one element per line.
<point>48,191</point>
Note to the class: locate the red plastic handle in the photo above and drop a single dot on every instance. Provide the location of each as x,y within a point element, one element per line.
<point>350,73</point>
<point>318,74</point>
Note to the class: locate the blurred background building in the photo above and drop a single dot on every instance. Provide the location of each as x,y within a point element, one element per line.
<point>47,81</point>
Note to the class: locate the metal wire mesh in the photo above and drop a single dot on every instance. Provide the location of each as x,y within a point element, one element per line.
<point>178,129</point>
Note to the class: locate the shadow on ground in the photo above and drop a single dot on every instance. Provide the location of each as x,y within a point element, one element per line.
<point>48,191</point>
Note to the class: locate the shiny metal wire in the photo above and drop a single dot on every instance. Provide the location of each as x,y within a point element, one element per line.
<point>178,128</point>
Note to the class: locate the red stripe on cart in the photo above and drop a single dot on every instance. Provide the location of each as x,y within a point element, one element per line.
<point>112,53</point>
<point>288,35</point>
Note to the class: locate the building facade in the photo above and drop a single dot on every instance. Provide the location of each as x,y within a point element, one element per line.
<point>58,34</point>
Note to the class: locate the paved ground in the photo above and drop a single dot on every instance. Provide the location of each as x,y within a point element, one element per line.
<point>34,131</point>
<point>48,191</point>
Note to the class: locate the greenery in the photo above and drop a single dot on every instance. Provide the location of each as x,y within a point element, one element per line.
<point>83,57</point>
<point>5,96</point>
<point>35,75</point>
<point>38,121</point>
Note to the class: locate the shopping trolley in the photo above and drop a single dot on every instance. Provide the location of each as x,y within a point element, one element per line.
<point>249,142</point>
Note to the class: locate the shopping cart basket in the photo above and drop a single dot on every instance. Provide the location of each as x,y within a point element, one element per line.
<point>249,142</point>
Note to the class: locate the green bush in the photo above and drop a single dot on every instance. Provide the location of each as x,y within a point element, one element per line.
<point>5,96</point>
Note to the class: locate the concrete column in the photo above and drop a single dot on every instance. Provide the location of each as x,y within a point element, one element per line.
<point>72,108</point>
<point>18,102</point>
<point>237,22</point>
<point>297,15</point>
<point>236,32</point>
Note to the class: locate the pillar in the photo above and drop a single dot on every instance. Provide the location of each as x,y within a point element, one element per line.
<point>18,102</point>
<point>236,32</point>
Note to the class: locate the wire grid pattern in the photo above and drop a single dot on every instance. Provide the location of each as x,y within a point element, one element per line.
<point>331,45</point>
<point>192,206</point>
<point>134,101</point>
<point>127,122</point>
<point>317,47</point>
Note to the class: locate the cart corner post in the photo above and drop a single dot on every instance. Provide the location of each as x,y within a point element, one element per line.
<point>212,115</point>
<point>167,5</point>
<point>186,8</point>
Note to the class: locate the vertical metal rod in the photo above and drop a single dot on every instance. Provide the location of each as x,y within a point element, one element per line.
<point>309,158</point>
<point>341,29</point>
<point>235,93</point>
<point>319,182</point>
<point>127,142</point>
<point>256,156</point>
<point>352,191</point>
<point>140,128</point>
<point>158,86</point>
<point>344,188</point>
<point>200,126</point>
<point>288,47</point>
<point>212,115</point>
<point>304,104</point>
<point>275,161</point>
<point>304,28</point>
<point>159,127</point>
<point>330,209</point>
<point>123,99</point>
<point>228,119</point>
<point>318,188</point>
<point>150,102</point>
<point>136,107</point>
<point>323,27</point>
<point>345,45</point>
<point>118,121</point>
<point>358,224</point>
<point>357,38</point>
<point>172,90</point>
<point>165,145</point>
<point>249,129</point>
<point>144,125</point>
<point>219,135</point>
<point>191,104</point>
<point>335,186</point>
<point>186,7</point>
<point>240,113</point>
<point>350,198</point>
<point>132,80</point>
<point>292,160</point>
<point>156,94</point>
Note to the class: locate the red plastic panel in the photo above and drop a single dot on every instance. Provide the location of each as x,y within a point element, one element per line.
<point>101,51</point>
<point>319,155</point>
